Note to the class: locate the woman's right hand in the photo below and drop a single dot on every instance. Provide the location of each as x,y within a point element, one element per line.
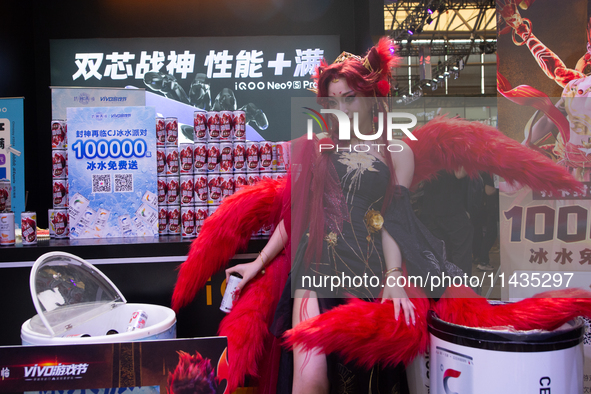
<point>247,271</point>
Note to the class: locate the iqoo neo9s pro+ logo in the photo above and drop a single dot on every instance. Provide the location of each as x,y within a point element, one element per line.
<point>345,129</point>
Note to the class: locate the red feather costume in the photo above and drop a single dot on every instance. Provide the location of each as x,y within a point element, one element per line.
<point>352,329</point>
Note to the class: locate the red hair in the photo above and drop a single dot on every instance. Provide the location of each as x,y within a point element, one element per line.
<point>366,76</point>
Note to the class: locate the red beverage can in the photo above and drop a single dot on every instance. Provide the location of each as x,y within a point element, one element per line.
<point>59,223</point>
<point>214,188</point>
<point>5,195</point>
<point>60,163</point>
<point>171,124</point>
<point>211,210</point>
<point>213,126</point>
<point>187,190</point>
<point>230,295</point>
<point>187,222</point>
<point>252,178</point>
<point>162,187</point>
<point>239,156</point>
<point>161,161</point>
<point>172,190</point>
<point>29,228</point>
<point>162,220</point>
<point>266,156</point>
<point>252,156</point>
<point>137,321</point>
<point>226,157</point>
<point>280,175</point>
<point>201,188</point>
<point>7,233</point>
<point>213,157</point>
<point>201,213</point>
<point>227,185</point>
<point>239,124</point>
<point>281,149</point>
<point>160,132</point>
<point>287,154</point>
<point>186,158</point>
<point>200,157</point>
<point>174,218</point>
<point>274,160</point>
<point>240,181</point>
<point>225,125</point>
<point>60,193</point>
<point>199,126</point>
<point>50,215</point>
<point>172,160</point>
<point>58,134</point>
<point>266,176</point>
<point>267,230</point>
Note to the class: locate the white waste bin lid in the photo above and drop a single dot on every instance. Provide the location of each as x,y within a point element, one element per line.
<point>68,291</point>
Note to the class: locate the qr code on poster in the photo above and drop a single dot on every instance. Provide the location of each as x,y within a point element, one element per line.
<point>101,183</point>
<point>123,182</point>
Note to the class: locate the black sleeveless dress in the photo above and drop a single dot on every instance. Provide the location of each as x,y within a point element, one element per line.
<point>352,252</point>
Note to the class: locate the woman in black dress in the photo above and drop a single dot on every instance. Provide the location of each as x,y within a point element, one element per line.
<point>356,222</point>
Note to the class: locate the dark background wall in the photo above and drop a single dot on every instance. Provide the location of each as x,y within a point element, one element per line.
<point>27,26</point>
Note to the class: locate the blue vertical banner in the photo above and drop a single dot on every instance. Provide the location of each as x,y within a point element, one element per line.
<point>12,150</point>
<point>112,172</point>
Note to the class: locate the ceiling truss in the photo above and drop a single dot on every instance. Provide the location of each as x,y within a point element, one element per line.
<point>453,29</point>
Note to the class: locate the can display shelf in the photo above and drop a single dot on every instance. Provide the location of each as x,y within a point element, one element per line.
<point>172,249</point>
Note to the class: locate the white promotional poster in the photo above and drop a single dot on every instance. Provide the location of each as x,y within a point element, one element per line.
<point>112,172</point>
<point>545,243</point>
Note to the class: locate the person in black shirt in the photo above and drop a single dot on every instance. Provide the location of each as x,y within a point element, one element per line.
<point>485,224</point>
<point>444,213</point>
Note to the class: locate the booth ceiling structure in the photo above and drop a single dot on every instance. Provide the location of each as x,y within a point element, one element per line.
<point>451,29</point>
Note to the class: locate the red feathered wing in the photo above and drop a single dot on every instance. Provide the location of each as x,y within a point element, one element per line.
<point>448,144</point>
<point>247,326</point>
<point>545,311</point>
<point>366,332</point>
<point>224,233</point>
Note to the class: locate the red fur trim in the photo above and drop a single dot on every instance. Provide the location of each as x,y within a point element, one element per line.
<point>546,311</point>
<point>366,332</point>
<point>448,144</point>
<point>223,234</point>
<point>246,326</point>
<point>383,88</point>
<point>388,57</point>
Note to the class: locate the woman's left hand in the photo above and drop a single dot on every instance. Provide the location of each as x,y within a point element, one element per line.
<point>400,301</point>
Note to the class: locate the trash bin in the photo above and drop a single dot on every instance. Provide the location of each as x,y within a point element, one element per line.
<point>487,361</point>
<point>78,304</point>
